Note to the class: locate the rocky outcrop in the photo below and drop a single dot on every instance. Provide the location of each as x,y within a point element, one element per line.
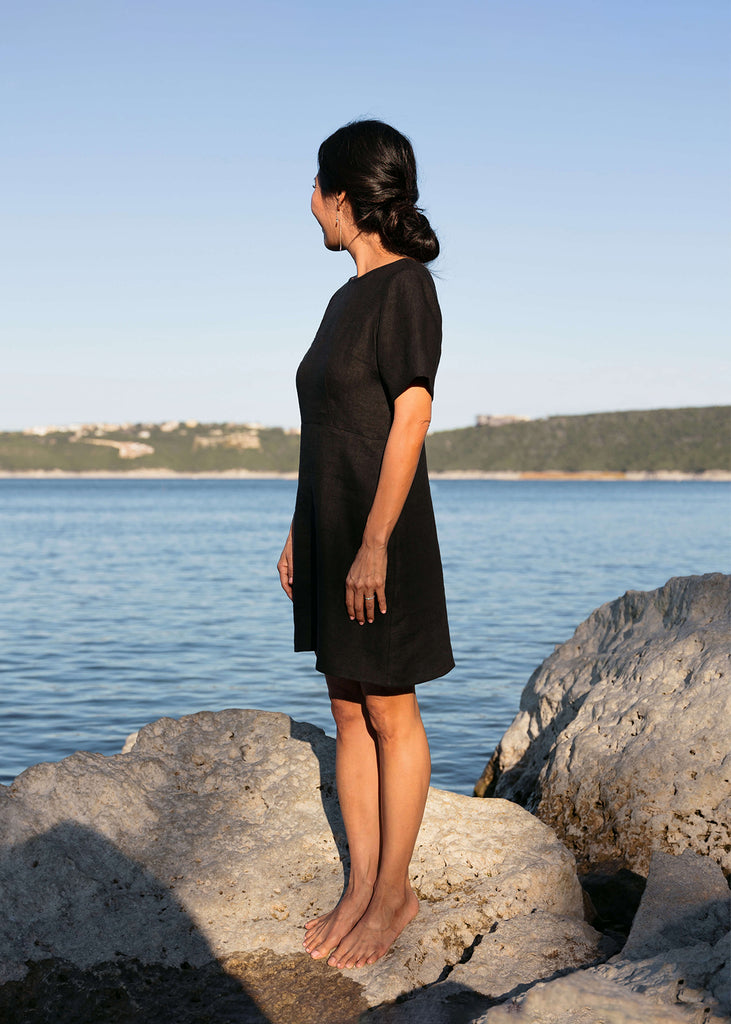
<point>623,739</point>
<point>173,881</point>
<point>191,863</point>
<point>675,966</point>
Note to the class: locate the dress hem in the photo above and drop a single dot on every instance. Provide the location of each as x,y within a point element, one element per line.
<point>388,683</point>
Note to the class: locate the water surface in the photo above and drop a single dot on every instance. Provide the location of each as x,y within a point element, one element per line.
<point>126,600</point>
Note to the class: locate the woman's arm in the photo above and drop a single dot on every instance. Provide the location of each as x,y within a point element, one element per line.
<point>367,576</point>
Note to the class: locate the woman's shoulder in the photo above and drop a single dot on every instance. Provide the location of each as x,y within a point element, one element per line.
<point>413,280</point>
<point>406,276</point>
<point>404,284</point>
<point>411,269</point>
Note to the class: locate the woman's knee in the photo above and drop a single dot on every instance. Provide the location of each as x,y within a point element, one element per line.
<point>392,716</point>
<point>346,703</point>
<point>348,715</point>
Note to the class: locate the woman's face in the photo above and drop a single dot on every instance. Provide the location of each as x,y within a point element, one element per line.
<point>325,209</point>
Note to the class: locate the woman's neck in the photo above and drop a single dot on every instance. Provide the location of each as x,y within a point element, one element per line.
<point>369,253</point>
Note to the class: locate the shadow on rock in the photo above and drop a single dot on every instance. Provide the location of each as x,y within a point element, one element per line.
<point>90,935</point>
<point>247,989</point>
<point>323,747</point>
<point>615,897</point>
<point>126,992</point>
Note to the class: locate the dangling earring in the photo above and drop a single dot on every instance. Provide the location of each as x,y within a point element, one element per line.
<point>340,227</point>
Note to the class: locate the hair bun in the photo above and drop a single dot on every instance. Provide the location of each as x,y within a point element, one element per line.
<point>409,232</point>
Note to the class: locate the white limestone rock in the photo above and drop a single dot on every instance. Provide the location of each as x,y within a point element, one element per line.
<point>686,901</point>
<point>218,835</point>
<point>582,999</point>
<point>623,739</point>
<point>503,961</point>
<point>675,966</point>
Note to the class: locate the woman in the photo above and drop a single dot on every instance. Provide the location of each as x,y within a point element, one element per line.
<point>361,562</point>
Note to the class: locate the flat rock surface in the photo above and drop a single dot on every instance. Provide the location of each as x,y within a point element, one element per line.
<point>687,900</point>
<point>623,739</point>
<point>206,847</point>
<point>583,999</point>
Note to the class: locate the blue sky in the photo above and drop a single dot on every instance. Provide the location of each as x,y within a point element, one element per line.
<point>159,259</point>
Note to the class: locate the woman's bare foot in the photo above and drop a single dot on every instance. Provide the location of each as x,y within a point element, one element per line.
<point>375,932</point>
<point>325,933</point>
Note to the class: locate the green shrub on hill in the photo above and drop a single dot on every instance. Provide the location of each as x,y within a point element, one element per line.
<point>684,440</point>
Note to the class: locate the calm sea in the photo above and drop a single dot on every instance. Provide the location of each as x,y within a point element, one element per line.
<point>126,600</point>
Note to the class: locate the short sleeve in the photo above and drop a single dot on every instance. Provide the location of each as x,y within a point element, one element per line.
<point>409,341</point>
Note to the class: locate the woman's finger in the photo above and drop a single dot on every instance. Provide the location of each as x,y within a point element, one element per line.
<point>369,603</point>
<point>360,606</point>
<point>381,597</point>
<point>350,601</point>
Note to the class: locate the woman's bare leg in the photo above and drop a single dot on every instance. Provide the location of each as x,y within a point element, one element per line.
<point>404,770</point>
<point>356,766</point>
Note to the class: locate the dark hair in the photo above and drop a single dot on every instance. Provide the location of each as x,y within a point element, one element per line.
<point>375,166</point>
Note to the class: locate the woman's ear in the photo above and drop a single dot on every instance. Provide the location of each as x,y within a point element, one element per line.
<point>346,210</point>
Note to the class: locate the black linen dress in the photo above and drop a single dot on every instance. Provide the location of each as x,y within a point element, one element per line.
<point>380,333</point>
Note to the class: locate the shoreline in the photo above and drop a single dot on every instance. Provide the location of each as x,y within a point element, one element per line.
<point>710,476</point>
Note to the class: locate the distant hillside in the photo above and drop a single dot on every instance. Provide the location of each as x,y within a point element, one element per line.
<point>681,440</point>
<point>204,448</point>
<point>684,440</point>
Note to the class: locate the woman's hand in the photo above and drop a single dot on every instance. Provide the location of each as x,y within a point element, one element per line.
<point>366,580</point>
<point>367,576</point>
<point>285,567</point>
